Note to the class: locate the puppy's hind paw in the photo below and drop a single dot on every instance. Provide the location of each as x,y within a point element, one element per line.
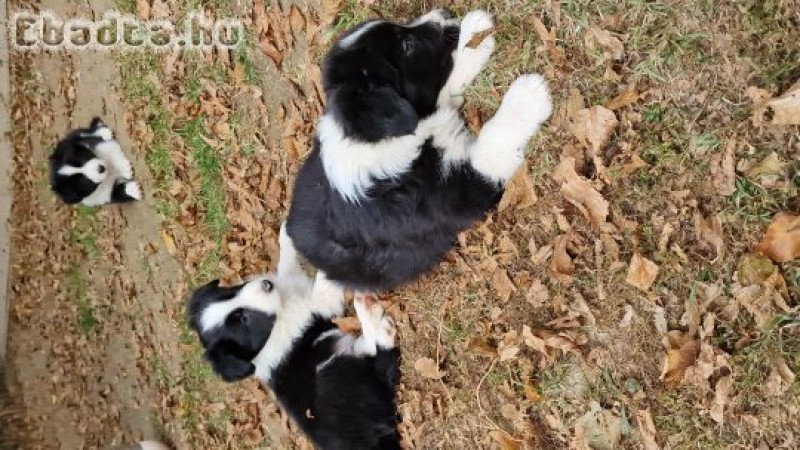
<point>133,190</point>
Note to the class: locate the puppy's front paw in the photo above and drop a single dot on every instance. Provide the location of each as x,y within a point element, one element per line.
<point>133,190</point>
<point>375,325</point>
<point>528,98</point>
<point>473,23</point>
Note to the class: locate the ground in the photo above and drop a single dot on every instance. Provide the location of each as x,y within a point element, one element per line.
<point>533,332</point>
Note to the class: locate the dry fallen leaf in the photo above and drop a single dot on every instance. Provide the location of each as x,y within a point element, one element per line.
<point>598,429</point>
<point>627,97</point>
<point>770,165</point>
<point>783,110</point>
<point>504,441</point>
<point>646,429</point>
<point>519,192</point>
<point>428,368</point>
<point>502,285</point>
<point>709,230</point>
<point>721,393</point>
<point>562,264</point>
<point>594,126</point>
<point>754,269</point>
<point>723,170</point>
<point>642,272</point>
<point>168,242</point>
<point>780,378</point>
<point>537,294</point>
<point>482,347</point>
<point>478,37</point>
<point>580,192</point>
<point>781,242</point>
<point>611,44</point>
<point>682,352</point>
<point>143,9</point>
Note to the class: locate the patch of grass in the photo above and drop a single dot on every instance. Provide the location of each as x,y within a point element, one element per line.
<point>752,201</point>
<point>209,168</point>
<point>77,286</point>
<point>244,57</point>
<point>83,233</point>
<point>677,417</point>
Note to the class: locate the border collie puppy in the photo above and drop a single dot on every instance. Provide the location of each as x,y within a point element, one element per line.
<point>395,175</point>
<point>89,167</point>
<point>340,389</point>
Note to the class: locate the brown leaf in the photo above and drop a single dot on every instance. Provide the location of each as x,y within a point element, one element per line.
<point>770,165</point>
<point>627,97</point>
<point>478,37</point>
<point>723,170</point>
<point>482,347</point>
<point>502,285</point>
<point>580,192</point>
<point>754,269</point>
<point>597,36</point>
<point>143,9</point>
<point>642,272</point>
<point>635,164</point>
<point>783,110</point>
<point>598,429</point>
<point>781,242</point>
<point>347,324</point>
<point>168,242</point>
<point>428,368</point>
<point>780,378</point>
<point>646,429</point>
<point>682,352</point>
<point>721,393</point>
<point>505,441</point>
<point>594,126</point>
<point>519,191</point>
<point>562,264</point>
<point>709,230</point>
<point>537,294</point>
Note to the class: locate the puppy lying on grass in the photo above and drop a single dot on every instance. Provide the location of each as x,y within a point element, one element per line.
<point>340,389</point>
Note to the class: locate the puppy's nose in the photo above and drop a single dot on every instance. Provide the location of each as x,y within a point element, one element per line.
<point>101,168</point>
<point>267,285</point>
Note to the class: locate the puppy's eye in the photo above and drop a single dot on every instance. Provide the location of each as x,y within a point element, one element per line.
<point>267,285</point>
<point>408,45</point>
<point>101,168</point>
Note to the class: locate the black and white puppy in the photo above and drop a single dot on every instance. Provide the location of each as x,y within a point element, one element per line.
<point>395,175</point>
<point>340,389</point>
<point>89,167</point>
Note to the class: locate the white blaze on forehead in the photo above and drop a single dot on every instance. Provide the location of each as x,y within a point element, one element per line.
<point>91,170</point>
<point>350,39</point>
<point>251,296</point>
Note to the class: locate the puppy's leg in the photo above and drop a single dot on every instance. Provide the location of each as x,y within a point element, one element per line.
<point>110,151</point>
<point>500,147</point>
<point>125,191</point>
<point>102,195</point>
<point>327,296</point>
<point>377,329</point>
<point>288,263</point>
<point>467,61</point>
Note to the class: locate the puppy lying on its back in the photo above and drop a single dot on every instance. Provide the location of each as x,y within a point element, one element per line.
<point>89,167</point>
<point>341,390</point>
<point>395,175</point>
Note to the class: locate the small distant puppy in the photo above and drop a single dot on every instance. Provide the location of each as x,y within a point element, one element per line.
<point>395,174</point>
<point>339,388</point>
<point>89,167</point>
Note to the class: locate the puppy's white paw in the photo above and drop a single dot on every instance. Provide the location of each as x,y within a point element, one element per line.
<point>375,326</point>
<point>528,98</point>
<point>132,190</point>
<point>104,133</point>
<point>125,168</point>
<point>473,23</point>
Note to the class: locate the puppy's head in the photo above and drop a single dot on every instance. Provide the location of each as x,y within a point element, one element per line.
<point>75,171</point>
<point>381,78</point>
<point>234,323</point>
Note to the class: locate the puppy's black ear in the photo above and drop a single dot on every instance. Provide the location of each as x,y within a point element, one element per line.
<point>225,362</point>
<point>371,115</point>
<point>96,123</point>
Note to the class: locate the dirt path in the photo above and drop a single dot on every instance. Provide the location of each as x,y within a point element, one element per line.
<point>81,277</point>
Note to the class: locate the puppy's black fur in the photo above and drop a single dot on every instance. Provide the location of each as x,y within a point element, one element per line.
<point>77,149</point>
<point>378,89</point>
<point>341,402</point>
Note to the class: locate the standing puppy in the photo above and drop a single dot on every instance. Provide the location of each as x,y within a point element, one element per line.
<point>395,175</point>
<point>89,167</point>
<point>340,389</point>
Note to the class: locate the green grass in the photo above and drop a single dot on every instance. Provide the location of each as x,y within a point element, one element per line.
<point>209,168</point>
<point>77,287</point>
<point>83,232</point>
